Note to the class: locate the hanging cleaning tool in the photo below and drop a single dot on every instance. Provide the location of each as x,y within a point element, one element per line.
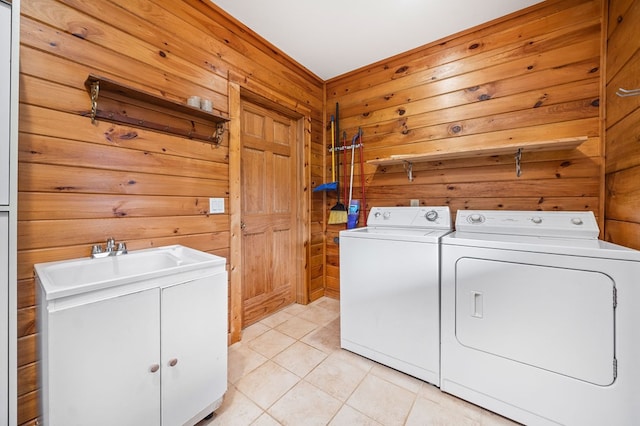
<point>333,185</point>
<point>362,178</point>
<point>344,163</point>
<point>338,213</point>
<point>352,216</point>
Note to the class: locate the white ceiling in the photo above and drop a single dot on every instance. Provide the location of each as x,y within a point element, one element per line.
<point>332,37</point>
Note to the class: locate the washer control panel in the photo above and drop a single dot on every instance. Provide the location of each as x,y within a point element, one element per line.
<point>535,223</point>
<point>438,217</point>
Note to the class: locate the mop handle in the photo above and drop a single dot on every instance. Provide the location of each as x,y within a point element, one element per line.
<point>353,147</point>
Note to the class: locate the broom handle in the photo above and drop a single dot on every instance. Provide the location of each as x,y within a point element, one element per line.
<point>333,151</point>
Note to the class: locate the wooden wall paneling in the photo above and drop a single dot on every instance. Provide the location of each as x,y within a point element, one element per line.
<point>80,183</point>
<point>623,141</point>
<point>618,108</point>
<point>532,76</point>
<point>623,233</point>
<point>621,46</point>
<point>615,14</point>
<point>623,115</point>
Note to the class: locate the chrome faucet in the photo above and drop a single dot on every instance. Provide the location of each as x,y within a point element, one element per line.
<point>110,249</point>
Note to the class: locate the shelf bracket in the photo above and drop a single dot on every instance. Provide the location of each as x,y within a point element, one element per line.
<point>217,135</point>
<point>408,167</point>
<point>518,159</point>
<point>95,90</point>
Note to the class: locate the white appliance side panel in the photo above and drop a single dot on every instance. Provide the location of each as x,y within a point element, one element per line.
<point>389,303</point>
<point>194,333</point>
<point>557,319</point>
<point>5,100</point>
<point>111,344</point>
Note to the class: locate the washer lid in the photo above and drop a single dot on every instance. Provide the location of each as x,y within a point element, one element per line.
<point>534,223</point>
<point>397,234</point>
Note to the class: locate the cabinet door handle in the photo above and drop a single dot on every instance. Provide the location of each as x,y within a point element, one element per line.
<point>154,368</point>
<point>173,362</point>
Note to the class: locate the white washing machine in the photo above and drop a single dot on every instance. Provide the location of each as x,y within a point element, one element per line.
<point>540,319</point>
<point>389,288</point>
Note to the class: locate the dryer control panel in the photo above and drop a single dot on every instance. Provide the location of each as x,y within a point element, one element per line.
<point>438,217</point>
<point>535,223</point>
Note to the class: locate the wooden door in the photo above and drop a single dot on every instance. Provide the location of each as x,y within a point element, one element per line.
<point>268,181</point>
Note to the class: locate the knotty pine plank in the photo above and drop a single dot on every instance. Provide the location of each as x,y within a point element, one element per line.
<point>623,195</point>
<point>559,168</point>
<point>26,321</point>
<point>28,406</point>
<point>617,10</point>
<point>623,143</point>
<point>569,203</point>
<point>28,378</point>
<point>620,49</point>
<point>468,104</point>
<point>38,234</point>
<point>628,78</point>
<point>46,205</point>
<point>60,179</point>
<point>523,56</point>
<point>624,233</point>
<point>39,121</point>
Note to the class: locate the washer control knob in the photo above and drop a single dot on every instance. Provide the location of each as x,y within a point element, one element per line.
<point>476,218</point>
<point>386,215</point>
<point>376,214</point>
<point>431,215</point>
<point>536,219</point>
<point>576,221</point>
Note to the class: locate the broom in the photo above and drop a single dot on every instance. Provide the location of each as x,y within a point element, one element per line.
<point>338,213</point>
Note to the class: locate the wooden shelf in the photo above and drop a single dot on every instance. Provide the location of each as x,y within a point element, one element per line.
<point>150,111</point>
<point>514,148</point>
<point>548,145</point>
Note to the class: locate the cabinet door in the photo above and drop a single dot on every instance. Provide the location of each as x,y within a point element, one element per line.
<point>194,334</point>
<point>5,99</point>
<point>100,359</point>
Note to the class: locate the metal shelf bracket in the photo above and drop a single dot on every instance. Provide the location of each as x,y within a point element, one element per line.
<point>408,167</point>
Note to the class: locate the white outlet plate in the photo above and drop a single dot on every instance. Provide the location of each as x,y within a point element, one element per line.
<point>415,203</point>
<point>216,205</point>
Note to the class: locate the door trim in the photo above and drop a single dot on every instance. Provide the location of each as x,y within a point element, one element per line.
<point>243,88</point>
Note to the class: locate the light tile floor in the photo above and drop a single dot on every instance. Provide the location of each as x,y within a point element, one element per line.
<point>289,370</point>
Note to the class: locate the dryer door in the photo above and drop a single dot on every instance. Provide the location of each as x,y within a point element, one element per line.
<point>553,318</point>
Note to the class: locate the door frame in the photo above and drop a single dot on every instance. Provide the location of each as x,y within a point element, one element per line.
<point>244,88</point>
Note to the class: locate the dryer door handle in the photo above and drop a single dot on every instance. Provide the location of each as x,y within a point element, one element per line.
<point>476,304</point>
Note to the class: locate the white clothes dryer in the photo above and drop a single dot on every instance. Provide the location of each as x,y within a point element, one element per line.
<point>389,288</point>
<point>540,319</point>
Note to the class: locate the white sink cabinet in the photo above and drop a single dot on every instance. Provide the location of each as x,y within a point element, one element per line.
<point>146,352</point>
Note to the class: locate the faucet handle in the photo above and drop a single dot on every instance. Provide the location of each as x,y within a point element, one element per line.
<point>122,248</point>
<point>111,242</point>
<point>97,248</point>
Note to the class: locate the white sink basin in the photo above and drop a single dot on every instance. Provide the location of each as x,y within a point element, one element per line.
<point>69,277</point>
